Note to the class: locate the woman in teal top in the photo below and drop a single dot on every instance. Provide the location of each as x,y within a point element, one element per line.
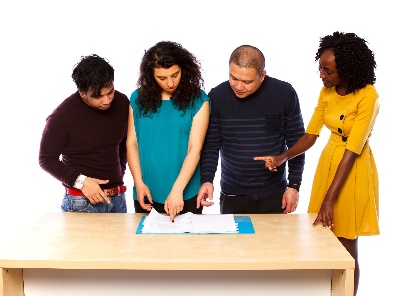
<point>168,119</point>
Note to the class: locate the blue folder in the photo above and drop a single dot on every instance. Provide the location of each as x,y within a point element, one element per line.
<point>244,225</point>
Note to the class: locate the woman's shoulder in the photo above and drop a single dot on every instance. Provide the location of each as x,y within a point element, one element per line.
<point>369,90</point>
<point>133,98</point>
<point>135,94</point>
<point>203,96</point>
<point>369,97</point>
<point>198,102</point>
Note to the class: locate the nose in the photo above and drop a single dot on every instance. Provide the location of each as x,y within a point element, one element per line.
<point>107,99</point>
<point>238,85</point>
<point>170,82</point>
<point>322,73</point>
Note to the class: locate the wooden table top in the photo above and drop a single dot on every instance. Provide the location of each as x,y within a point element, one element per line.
<point>109,241</point>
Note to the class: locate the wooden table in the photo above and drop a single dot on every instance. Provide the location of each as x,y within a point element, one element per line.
<point>82,241</point>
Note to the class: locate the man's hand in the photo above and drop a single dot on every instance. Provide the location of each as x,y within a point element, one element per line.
<point>290,200</point>
<point>205,192</point>
<point>91,189</point>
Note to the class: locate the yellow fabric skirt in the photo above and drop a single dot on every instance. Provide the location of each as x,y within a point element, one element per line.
<point>356,209</point>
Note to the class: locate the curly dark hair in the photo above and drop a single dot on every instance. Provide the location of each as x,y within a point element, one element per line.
<point>92,73</point>
<point>355,62</point>
<point>165,54</point>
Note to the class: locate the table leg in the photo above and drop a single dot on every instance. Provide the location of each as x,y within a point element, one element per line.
<point>343,282</point>
<point>11,282</point>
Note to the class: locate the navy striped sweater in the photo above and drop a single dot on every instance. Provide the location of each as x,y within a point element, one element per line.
<point>264,123</point>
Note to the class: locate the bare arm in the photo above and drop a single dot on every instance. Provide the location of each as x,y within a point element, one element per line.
<point>303,144</point>
<point>175,202</point>
<point>325,214</point>
<point>132,154</point>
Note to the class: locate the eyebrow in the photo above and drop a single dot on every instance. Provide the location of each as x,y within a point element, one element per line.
<point>109,91</point>
<point>100,95</point>
<point>178,71</point>
<point>240,79</point>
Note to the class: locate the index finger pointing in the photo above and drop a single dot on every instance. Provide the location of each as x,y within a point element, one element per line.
<point>106,198</point>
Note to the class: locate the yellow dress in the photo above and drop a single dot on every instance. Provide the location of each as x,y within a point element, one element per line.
<point>350,119</point>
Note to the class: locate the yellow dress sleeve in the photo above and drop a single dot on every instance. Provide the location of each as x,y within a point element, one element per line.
<point>368,108</point>
<point>317,119</point>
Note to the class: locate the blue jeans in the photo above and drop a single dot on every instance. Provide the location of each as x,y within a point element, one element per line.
<point>73,203</point>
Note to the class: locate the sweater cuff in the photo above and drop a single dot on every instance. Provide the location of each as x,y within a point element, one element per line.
<point>204,179</point>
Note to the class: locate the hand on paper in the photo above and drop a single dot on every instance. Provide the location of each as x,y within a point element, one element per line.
<point>205,192</point>
<point>174,204</point>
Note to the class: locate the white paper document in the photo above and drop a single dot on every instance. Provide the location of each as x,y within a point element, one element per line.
<point>189,223</point>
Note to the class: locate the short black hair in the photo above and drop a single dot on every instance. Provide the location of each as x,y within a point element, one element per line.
<point>93,73</point>
<point>248,56</point>
<point>355,62</point>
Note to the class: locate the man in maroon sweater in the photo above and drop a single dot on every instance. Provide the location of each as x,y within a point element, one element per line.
<point>83,142</point>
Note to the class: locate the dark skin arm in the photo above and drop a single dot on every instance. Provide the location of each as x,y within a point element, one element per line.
<point>304,143</point>
<point>325,215</point>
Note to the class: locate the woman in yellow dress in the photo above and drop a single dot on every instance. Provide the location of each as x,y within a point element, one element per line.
<point>345,191</point>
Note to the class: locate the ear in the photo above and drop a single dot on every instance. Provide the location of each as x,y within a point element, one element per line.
<point>263,75</point>
<point>82,95</point>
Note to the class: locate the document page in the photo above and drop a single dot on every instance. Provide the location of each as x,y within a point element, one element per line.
<point>189,223</point>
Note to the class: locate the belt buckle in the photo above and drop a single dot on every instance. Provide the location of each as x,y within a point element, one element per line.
<point>110,192</point>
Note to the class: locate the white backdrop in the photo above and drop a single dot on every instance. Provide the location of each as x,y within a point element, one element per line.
<point>42,40</point>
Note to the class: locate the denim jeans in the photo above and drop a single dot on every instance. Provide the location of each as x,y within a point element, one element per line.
<point>73,203</point>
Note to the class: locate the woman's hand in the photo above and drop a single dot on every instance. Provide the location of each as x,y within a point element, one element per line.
<point>271,162</point>
<point>174,204</point>
<point>142,193</point>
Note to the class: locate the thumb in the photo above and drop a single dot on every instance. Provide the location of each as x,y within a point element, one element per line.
<point>284,202</point>
<point>149,196</point>
<point>102,181</point>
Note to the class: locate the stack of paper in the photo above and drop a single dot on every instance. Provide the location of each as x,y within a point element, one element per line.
<point>189,223</point>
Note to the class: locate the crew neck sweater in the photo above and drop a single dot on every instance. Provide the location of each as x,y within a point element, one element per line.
<point>78,139</point>
<point>264,123</point>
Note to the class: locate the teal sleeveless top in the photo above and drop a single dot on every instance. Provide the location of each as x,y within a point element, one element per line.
<point>163,138</point>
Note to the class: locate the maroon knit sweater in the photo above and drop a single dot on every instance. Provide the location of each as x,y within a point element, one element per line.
<point>78,139</point>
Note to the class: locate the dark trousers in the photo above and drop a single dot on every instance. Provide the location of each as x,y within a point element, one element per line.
<point>245,204</point>
<point>189,206</point>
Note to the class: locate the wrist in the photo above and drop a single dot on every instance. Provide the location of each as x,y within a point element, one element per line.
<point>294,186</point>
<point>177,191</point>
<point>79,182</point>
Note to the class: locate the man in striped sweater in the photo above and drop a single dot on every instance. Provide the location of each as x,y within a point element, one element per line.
<point>252,115</point>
